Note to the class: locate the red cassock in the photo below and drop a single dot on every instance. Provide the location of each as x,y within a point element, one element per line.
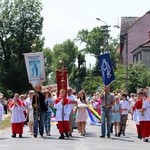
<point>138,106</point>
<point>145,119</point>
<point>17,117</point>
<point>62,114</point>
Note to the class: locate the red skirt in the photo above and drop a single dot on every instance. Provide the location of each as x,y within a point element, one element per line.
<point>63,126</point>
<point>17,128</point>
<point>144,126</point>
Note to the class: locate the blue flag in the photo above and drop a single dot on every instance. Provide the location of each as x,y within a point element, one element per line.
<point>106,68</point>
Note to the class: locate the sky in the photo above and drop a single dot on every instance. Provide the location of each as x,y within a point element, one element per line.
<point>64,18</point>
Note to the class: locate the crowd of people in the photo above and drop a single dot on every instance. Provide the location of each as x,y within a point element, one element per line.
<point>36,108</point>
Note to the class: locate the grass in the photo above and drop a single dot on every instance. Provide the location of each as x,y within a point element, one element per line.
<point>5,123</point>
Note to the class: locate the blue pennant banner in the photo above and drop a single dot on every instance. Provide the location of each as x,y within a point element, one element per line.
<point>106,68</point>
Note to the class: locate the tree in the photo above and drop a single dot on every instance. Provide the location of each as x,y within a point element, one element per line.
<point>48,55</point>
<point>119,83</point>
<point>115,56</point>
<point>93,40</point>
<point>78,73</point>
<point>20,26</point>
<point>96,70</point>
<point>91,84</point>
<point>138,77</point>
<point>66,52</point>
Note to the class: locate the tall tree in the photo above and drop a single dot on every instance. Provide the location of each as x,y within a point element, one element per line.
<point>48,55</point>
<point>78,73</point>
<point>20,27</point>
<point>66,52</point>
<point>93,40</point>
<point>138,77</point>
<point>92,84</point>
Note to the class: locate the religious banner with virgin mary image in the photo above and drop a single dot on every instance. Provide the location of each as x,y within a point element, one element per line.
<point>35,67</point>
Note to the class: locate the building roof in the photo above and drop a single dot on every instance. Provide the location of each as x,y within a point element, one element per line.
<point>146,44</point>
<point>126,23</point>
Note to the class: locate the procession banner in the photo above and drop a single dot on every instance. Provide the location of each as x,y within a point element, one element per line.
<point>61,78</point>
<point>35,67</point>
<point>106,68</point>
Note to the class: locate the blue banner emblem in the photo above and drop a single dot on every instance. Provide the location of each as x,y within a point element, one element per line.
<point>106,69</point>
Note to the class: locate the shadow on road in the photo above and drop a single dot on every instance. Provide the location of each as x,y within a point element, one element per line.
<point>123,139</point>
<point>4,138</point>
<point>90,134</point>
<point>56,138</point>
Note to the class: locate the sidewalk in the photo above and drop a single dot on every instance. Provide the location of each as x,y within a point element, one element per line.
<point>131,123</point>
<point>5,116</point>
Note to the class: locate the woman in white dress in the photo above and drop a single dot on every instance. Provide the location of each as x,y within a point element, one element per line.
<point>1,112</point>
<point>82,115</point>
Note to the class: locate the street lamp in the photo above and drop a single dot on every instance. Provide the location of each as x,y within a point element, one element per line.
<point>125,36</point>
<point>101,21</point>
<point>105,31</point>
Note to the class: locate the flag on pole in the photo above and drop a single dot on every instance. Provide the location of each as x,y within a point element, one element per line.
<point>61,78</point>
<point>106,68</point>
<point>35,67</point>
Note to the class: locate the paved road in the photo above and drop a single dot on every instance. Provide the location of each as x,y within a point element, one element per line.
<point>91,141</point>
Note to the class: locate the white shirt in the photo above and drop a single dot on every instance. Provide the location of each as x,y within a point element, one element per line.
<point>17,115</point>
<point>67,110</point>
<point>1,111</point>
<point>28,102</point>
<point>125,105</point>
<point>131,99</point>
<point>136,116</point>
<point>72,98</point>
<point>146,114</point>
<point>95,104</point>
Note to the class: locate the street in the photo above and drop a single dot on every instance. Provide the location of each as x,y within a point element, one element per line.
<point>91,141</point>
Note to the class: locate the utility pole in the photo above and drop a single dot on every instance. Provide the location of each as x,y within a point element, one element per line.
<point>126,78</point>
<point>105,31</point>
<point>124,37</point>
<point>79,72</point>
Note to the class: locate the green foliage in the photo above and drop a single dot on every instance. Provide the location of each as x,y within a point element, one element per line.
<point>138,77</point>
<point>119,83</point>
<point>20,26</point>
<point>96,70</point>
<point>91,84</point>
<point>92,40</point>
<point>115,56</point>
<point>67,53</point>
<point>78,74</point>
<point>74,77</point>
<point>48,55</point>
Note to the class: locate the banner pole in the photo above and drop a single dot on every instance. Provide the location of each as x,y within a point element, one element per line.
<point>36,103</point>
